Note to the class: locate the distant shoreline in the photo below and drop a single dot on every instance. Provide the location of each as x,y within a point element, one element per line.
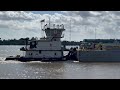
<point>22,41</point>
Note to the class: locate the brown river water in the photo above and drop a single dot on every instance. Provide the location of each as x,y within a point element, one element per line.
<point>53,70</point>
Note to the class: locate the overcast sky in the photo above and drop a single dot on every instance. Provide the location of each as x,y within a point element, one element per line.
<point>20,24</point>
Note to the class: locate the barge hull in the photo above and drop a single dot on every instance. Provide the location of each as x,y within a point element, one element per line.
<point>98,56</point>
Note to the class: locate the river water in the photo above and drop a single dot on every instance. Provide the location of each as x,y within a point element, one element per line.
<point>53,70</point>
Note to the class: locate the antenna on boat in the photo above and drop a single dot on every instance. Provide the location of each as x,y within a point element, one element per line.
<point>41,26</point>
<point>70,29</point>
<point>49,22</point>
<point>95,33</point>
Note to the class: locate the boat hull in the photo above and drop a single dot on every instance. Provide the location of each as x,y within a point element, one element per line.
<point>24,59</point>
<point>98,56</point>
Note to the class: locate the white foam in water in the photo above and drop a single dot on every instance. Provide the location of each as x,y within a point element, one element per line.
<point>37,62</point>
<point>76,61</point>
<point>2,58</point>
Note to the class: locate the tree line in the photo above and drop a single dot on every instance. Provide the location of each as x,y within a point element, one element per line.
<point>22,41</point>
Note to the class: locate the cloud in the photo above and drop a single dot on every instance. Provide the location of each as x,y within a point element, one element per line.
<point>85,14</point>
<point>106,22</point>
<point>19,20</point>
<point>83,23</point>
<point>15,15</point>
<point>78,13</point>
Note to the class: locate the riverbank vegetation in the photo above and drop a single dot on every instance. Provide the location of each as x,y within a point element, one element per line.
<point>22,41</point>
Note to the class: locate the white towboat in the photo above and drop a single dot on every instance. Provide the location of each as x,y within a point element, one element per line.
<point>47,48</point>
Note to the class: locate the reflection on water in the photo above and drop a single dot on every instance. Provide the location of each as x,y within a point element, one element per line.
<point>9,50</point>
<point>54,70</point>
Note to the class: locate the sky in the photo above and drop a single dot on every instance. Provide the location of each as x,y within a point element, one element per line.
<point>21,24</point>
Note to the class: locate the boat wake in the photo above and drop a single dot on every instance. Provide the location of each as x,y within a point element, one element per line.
<point>2,58</point>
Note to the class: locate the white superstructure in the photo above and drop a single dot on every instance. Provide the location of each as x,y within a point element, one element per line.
<point>48,47</point>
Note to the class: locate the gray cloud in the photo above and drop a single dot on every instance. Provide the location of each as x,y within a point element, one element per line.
<point>115,12</point>
<point>81,13</point>
<point>106,22</point>
<point>15,15</point>
<point>83,22</point>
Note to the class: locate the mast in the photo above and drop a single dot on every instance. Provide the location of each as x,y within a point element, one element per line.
<point>95,33</point>
<point>70,29</point>
<point>42,29</point>
<point>49,22</point>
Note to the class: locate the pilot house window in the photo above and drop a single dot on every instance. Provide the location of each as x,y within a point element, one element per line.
<point>50,45</point>
<point>39,51</point>
<point>55,54</point>
<point>30,54</point>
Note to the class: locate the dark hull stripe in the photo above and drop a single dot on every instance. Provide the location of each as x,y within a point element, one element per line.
<point>45,50</point>
<point>22,59</point>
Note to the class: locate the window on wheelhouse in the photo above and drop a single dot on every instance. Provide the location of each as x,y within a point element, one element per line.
<point>33,44</point>
<point>40,51</point>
